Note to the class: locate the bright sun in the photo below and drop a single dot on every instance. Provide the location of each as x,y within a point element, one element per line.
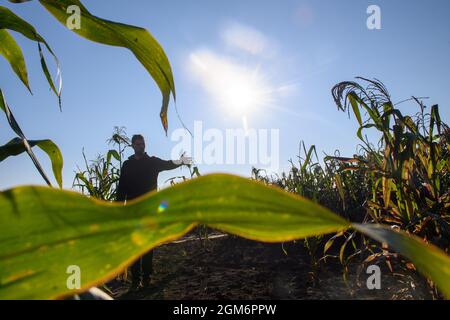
<point>237,89</point>
<point>241,96</point>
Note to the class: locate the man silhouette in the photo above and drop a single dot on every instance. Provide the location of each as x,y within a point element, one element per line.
<point>139,175</point>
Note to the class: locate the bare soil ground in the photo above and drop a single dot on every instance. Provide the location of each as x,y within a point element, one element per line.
<point>230,267</point>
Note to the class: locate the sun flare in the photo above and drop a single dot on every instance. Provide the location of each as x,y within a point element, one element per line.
<point>237,89</point>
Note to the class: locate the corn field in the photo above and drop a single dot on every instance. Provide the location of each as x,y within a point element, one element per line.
<point>391,198</point>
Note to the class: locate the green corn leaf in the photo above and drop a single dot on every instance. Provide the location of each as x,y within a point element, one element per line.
<point>146,49</point>
<point>48,76</point>
<point>352,96</point>
<point>330,242</point>
<point>12,52</point>
<point>17,146</point>
<point>386,186</point>
<point>45,230</point>
<point>16,128</point>
<point>340,188</point>
<point>409,122</point>
<point>359,132</point>
<point>9,20</point>
<point>308,156</point>
<point>9,116</point>
<point>112,153</point>
<point>86,183</point>
<point>435,118</point>
<point>354,104</point>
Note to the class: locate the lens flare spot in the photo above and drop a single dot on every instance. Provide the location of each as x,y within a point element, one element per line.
<point>163,206</point>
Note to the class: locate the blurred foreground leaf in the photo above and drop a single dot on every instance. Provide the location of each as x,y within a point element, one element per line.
<point>43,231</point>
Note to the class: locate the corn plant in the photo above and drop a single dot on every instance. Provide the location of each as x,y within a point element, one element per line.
<point>403,182</point>
<point>100,178</point>
<point>410,171</point>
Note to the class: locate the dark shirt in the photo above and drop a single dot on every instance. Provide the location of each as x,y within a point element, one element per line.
<point>138,177</point>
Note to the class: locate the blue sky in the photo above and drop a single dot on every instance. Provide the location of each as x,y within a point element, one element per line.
<point>298,49</point>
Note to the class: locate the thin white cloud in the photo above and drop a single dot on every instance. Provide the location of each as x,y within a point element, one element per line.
<point>246,38</point>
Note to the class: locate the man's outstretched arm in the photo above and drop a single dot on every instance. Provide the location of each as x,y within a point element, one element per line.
<point>173,164</point>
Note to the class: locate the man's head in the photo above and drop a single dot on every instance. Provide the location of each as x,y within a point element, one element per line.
<point>138,144</point>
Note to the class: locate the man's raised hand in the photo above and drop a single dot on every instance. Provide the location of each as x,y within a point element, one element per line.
<point>183,160</point>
